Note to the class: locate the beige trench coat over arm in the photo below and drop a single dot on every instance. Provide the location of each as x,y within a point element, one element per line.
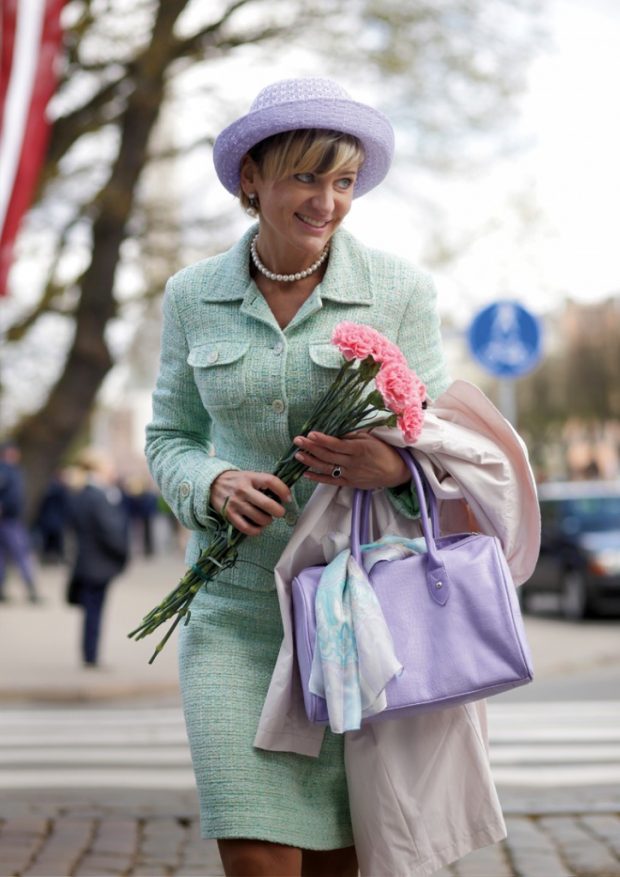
<point>471,457</point>
<point>433,798</point>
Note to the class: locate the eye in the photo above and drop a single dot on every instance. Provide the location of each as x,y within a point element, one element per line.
<point>345,183</point>
<point>305,178</point>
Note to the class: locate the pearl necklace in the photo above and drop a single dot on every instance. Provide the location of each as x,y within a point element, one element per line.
<point>286,278</point>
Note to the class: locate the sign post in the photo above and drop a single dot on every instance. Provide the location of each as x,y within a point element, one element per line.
<point>505,339</point>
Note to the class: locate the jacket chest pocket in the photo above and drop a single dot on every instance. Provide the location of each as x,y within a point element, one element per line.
<point>219,372</point>
<point>326,359</point>
<point>325,362</point>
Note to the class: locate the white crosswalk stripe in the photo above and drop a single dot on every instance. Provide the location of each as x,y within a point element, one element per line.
<point>94,748</point>
<point>555,743</point>
<point>532,744</point>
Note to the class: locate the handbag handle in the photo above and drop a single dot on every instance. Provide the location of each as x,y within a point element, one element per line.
<point>436,576</point>
<point>367,499</point>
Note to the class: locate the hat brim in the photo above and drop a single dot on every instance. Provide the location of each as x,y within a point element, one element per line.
<point>370,126</point>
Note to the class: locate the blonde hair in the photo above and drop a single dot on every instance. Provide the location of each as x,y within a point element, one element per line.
<point>311,150</point>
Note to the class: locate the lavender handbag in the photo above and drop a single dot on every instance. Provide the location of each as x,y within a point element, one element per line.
<point>453,615</point>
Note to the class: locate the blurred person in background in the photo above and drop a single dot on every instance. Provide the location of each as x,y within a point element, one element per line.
<point>142,502</point>
<point>51,522</point>
<point>14,538</point>
<point>99,518</point>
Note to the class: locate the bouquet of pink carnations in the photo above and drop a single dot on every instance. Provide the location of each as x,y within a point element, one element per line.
<point>397,400</point>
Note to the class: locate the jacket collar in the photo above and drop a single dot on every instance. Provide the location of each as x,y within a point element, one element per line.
<point>346,280</point>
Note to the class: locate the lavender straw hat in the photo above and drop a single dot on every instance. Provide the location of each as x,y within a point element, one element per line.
<point>292,104</point>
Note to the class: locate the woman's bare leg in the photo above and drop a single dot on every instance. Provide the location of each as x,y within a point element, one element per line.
<point>259,858</point>
<point>329,863</point>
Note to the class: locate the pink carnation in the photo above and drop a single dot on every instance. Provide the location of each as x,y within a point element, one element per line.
<point>355,340</point>
<point>411,422</point>
<point>399,386</point>
<point>386,352</point>
<point>402,391</point>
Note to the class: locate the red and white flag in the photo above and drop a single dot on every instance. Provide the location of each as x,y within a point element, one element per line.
<point>30,36</point>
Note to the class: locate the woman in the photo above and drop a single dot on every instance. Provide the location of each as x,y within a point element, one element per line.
<point>245,354</point>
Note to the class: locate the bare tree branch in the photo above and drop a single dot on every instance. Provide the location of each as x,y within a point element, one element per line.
<point>48,300</point>
<point>45,305</point>
<point>198,41</point>
<point>87,118</point>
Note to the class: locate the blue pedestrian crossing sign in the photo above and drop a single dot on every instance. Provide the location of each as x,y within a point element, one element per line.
<point>505,339</point>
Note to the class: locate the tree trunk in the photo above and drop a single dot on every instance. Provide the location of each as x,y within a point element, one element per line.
<point>46,436</point>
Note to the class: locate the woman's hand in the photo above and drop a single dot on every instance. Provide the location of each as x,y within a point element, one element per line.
<point>363,460</point>
<point>248,508</point>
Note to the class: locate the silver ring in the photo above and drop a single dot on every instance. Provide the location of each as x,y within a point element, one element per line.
<point>336,472</point>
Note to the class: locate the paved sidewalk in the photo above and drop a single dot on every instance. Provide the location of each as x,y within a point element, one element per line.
<point>40,643</point>
<point>156,834</point>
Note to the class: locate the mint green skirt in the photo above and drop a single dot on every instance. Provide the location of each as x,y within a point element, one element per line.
<point>227,654</point>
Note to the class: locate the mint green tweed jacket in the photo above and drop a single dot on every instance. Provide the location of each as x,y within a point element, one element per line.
<point>234,388</point>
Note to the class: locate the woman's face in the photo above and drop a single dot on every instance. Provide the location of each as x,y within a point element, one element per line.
<point>300,213</point>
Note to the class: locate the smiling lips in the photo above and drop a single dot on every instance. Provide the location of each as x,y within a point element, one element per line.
<point>315,223</point>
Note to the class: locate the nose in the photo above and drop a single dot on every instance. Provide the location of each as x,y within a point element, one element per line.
<point>323,199</point>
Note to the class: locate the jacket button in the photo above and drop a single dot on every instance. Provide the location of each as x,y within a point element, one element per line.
<point>278,348</point>
<point>213,356</point>
<point>290,517</point>
<point>185,489</point>
<point>278,406</point>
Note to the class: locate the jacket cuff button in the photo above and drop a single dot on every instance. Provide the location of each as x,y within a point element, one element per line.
<point>185,489</point>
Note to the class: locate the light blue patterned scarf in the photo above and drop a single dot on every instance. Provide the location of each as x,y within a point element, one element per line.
<point>354,656</point>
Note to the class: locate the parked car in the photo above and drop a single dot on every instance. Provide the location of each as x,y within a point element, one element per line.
<point>580,548</point>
